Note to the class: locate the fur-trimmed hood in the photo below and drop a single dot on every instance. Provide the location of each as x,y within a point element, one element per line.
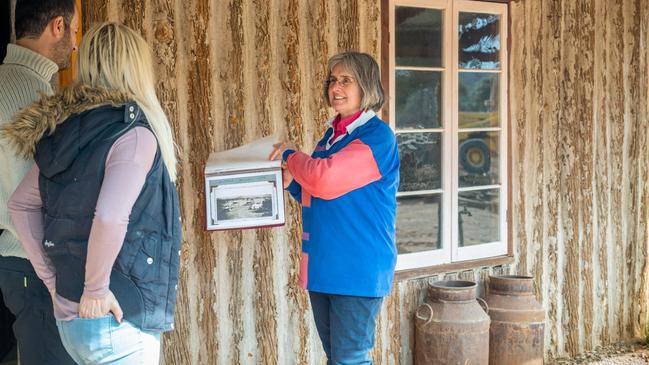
<point>29,126</point>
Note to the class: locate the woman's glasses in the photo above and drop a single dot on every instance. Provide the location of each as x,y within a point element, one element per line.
<point>343,81</point>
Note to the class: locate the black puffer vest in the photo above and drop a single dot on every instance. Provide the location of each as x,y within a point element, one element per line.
<point>71,162</point>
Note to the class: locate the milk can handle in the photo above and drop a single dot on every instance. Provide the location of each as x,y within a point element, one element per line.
<point>424,318</point>
<point>483,304</point>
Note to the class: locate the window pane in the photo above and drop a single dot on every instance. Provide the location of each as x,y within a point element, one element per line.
<point>479,100</point>
<point>419,219</point>
<point>478,217</point>
<point>479,158</point>
<point>418,37</point>
<point>479,36</point>
<point>419,99</point>
<point>420,161</point>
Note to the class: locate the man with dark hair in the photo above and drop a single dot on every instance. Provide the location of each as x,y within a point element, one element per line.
<point>39,24</point>
<point>45,39</point>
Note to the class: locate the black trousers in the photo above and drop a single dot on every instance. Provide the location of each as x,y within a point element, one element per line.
<point>7,339</point>
<point>35,328</point>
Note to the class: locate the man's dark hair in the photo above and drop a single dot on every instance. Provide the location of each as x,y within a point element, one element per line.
<point>32,16</point>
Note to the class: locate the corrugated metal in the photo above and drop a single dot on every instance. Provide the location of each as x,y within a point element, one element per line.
<point>233,71</point>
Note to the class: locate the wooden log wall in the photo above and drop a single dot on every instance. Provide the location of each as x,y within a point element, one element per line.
<point>580,159</point>
<point>231,71</point>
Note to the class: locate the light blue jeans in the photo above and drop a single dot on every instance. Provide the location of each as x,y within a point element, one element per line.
<point>94,341</point>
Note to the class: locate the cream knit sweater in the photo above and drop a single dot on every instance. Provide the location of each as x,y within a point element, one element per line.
<point>24,75</point>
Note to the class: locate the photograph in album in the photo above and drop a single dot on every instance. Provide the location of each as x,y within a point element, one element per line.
<point>243,189</point>
<point>238,201</point>
<point>245,200</point>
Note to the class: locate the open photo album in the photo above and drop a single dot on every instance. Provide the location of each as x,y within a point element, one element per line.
<point>243,189</point>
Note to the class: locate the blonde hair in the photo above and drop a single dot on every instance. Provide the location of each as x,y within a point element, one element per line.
<point>366,72</point>
<point>115,57</point>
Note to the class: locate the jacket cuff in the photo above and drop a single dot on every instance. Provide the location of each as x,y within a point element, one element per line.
<point>96,293</point>
<point>292,186</point>
<point>286,154</point>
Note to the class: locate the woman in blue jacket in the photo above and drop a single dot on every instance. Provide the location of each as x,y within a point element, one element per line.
<point>347,189</point>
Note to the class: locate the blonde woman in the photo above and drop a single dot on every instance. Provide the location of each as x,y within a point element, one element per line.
<point>98,213</point>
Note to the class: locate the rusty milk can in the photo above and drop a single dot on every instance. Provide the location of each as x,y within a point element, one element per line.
<point>517,321</point>
<point>451,327</point>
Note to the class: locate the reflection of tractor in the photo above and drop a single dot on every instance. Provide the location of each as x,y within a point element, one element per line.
<point>474,154</point>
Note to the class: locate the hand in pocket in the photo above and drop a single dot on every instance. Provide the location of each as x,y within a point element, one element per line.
<point>96,307</point>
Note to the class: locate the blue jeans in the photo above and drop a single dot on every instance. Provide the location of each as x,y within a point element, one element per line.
<point>102,340</point>
<point>346,326</point>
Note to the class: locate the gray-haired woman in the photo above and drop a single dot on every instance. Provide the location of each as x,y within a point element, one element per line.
<point>347,188</point>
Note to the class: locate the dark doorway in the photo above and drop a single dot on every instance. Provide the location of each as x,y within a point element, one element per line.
<point>5,32</point>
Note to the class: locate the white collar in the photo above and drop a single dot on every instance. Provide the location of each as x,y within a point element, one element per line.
<point>362,119</point>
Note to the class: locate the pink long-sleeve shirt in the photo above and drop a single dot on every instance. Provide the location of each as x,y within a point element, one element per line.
<point>129,161</point>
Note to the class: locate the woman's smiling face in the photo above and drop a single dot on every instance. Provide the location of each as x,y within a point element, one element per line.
<point>344,92</point>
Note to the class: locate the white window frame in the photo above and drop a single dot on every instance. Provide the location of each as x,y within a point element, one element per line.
<point>450,251</point>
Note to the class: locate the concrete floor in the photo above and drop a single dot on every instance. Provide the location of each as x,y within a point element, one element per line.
<point>631,353</point>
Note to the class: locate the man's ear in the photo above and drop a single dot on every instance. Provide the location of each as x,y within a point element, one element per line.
<point>57,27</point>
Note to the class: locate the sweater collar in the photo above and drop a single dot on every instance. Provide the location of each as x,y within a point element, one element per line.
<point>36,62</point>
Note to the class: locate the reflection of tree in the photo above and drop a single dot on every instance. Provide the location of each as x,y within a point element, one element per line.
<point>479,41</point>
<point>478,93</point>
<point>418,36</point>
<point>420,161</point>
<point>414,179</point>
<point>418,99</point>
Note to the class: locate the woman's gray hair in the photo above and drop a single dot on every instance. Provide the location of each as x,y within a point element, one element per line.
<point>366,72</point>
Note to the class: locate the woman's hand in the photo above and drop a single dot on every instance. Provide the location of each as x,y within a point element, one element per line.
<point>277,154</point>
<point>287,177</point>
<point>97,307</point>
<point>280,148</point>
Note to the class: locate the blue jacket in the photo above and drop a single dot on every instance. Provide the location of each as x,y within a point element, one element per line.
<point>347,189</point>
